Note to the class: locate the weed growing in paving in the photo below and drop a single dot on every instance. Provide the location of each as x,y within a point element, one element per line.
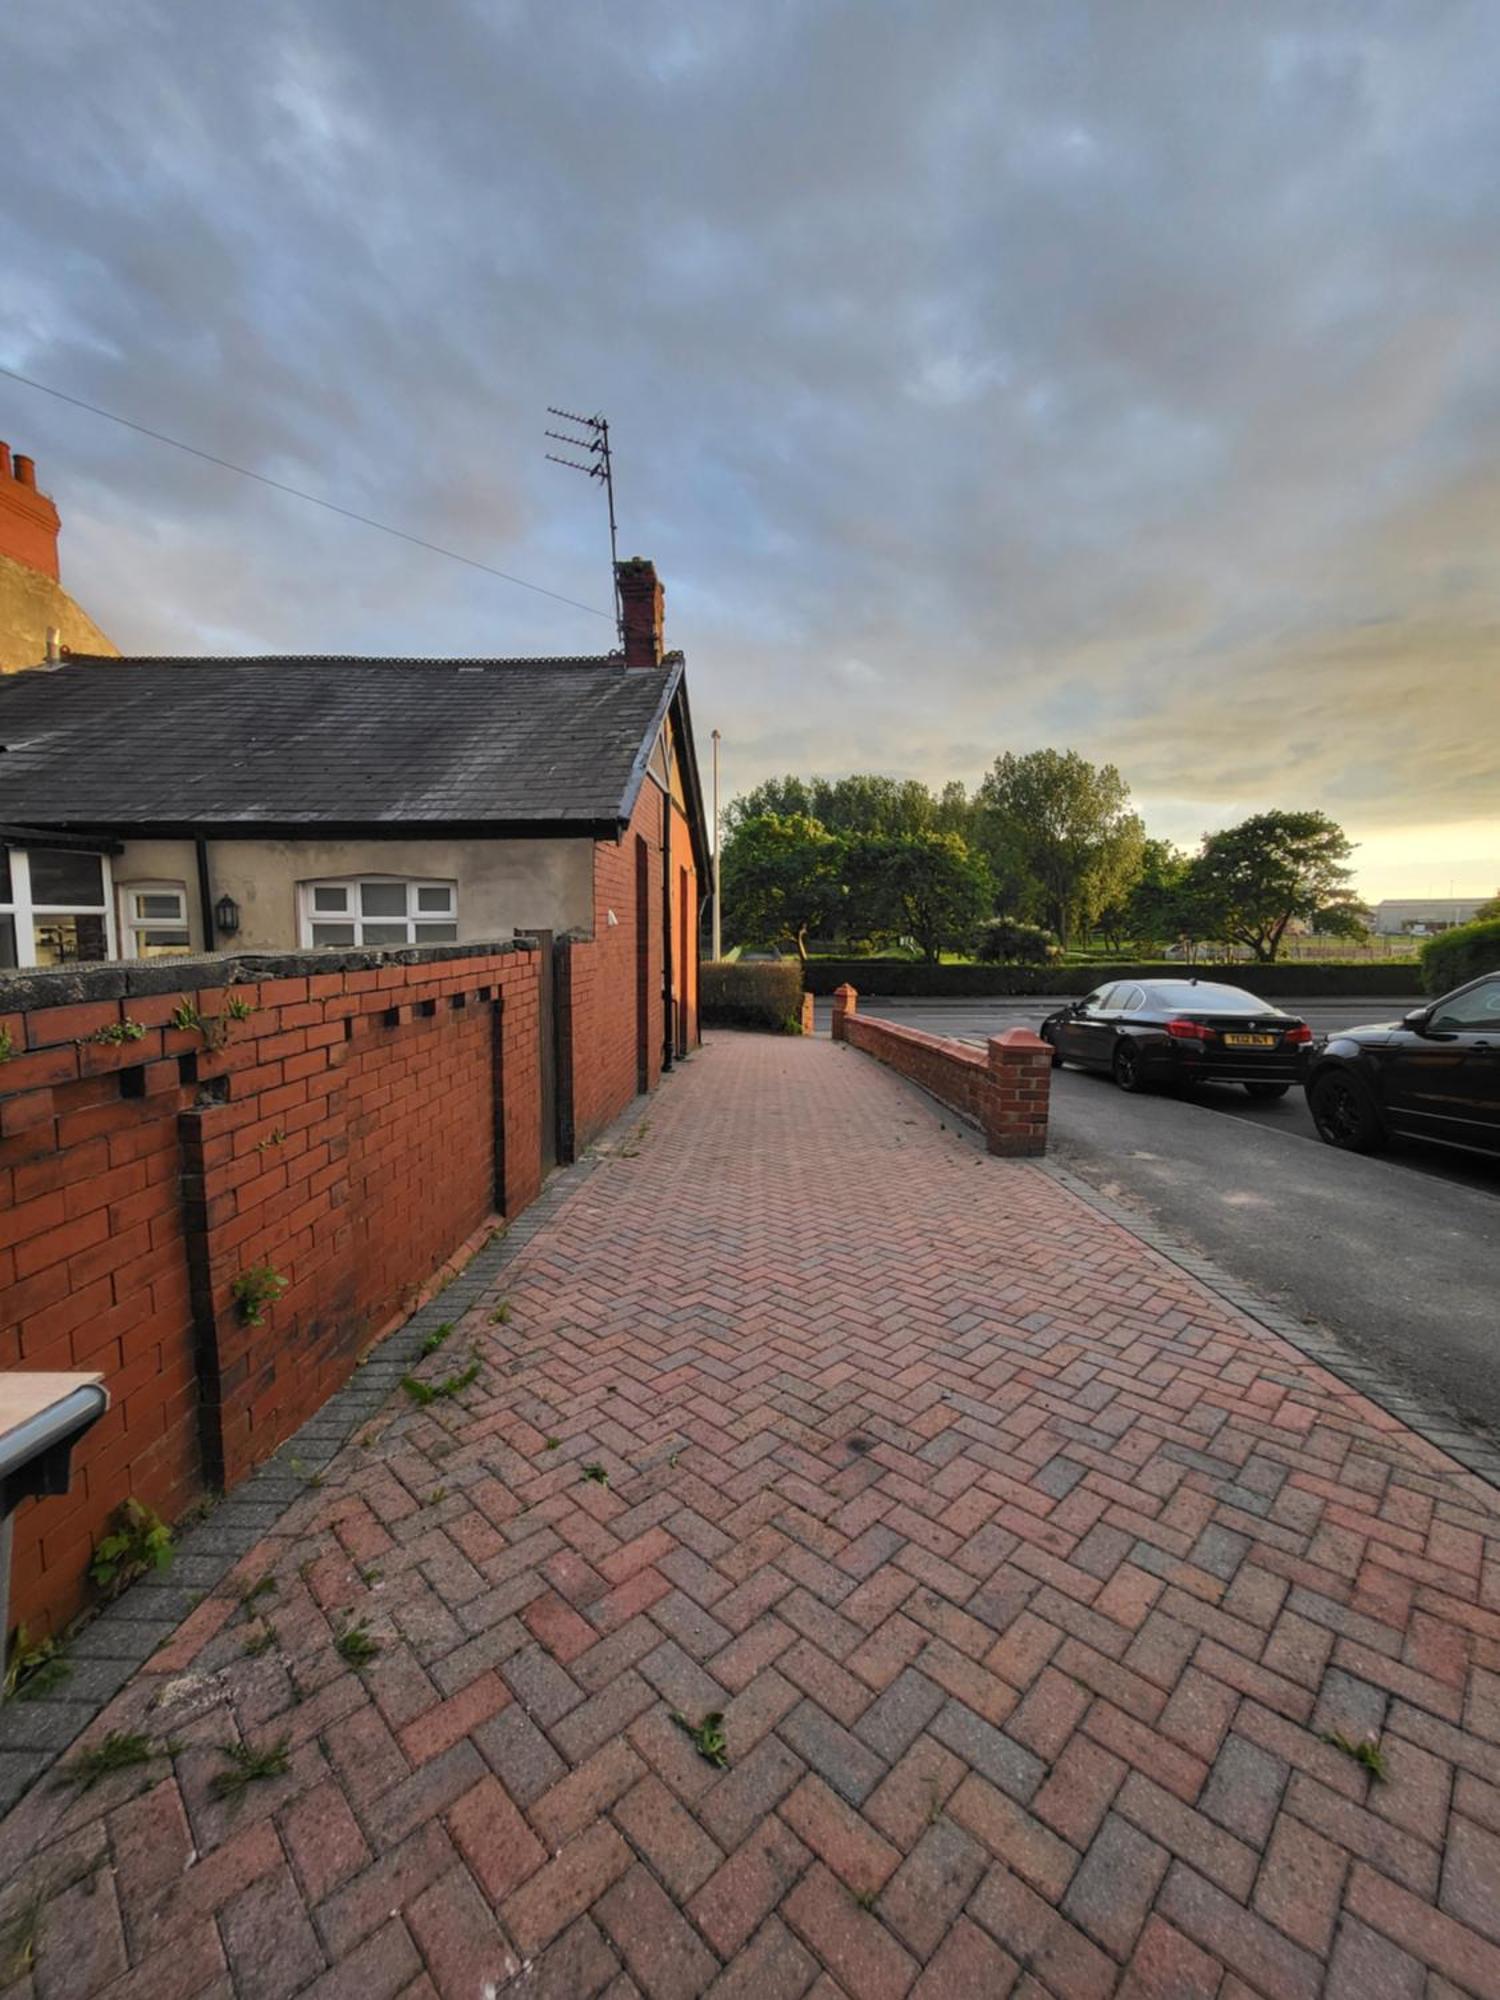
<point>438,1493</point>
<point>34,1668</point>
<point>708,1737</point>
<point>118,1751</point>
<point>436,1338</point>
<point>1366,1752</point>
<point>501,1315</point>
<point>246,1766</point>
<point>252,1593</point>
<point>422,1393</point>
<point>18,1941</point>
<point>553,1444</point>
<point>357,1644</point>
<point>596,1475</point>
<point>261,1641</point>
<point>141,1540</point>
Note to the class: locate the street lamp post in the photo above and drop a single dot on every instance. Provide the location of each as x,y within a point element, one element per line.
<point>718,939</point>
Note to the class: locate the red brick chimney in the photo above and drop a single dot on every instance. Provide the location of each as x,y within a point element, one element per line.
<point>641,599</point>
<point>28,519</point>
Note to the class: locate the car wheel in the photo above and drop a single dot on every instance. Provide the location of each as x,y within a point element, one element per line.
<point>1344,1113</point>
<point>1266,1091</point>
<point>1126,1067</point>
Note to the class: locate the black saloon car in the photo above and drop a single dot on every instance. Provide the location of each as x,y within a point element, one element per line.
<point>1434,1074</point>
<point>1182,1032</point>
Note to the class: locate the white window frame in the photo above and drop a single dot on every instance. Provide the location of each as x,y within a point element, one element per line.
<point>352,887</point>
<point>25,911</point>
<point>129,923</point>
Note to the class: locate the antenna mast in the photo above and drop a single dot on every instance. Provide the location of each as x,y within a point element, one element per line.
<point>597,465</point>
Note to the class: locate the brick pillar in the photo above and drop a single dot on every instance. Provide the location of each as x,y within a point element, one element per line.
<point>1015,1103</point>
<point>845,1002</point>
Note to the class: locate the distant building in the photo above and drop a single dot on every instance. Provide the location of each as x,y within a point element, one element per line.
<point>1425,916</point>
<point>38,619</point>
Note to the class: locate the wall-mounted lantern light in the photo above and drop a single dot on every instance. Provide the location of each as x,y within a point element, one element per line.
<point>226,916</point>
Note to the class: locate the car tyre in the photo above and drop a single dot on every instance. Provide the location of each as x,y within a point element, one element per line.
<point>1126,1067</point>
<point>1056,1058</point>
<point>1344,1113</point>
<point>1266,1091</point>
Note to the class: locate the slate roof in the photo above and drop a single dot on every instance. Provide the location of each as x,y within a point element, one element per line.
<point>286,742</point>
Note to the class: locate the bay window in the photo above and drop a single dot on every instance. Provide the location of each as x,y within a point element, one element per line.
<point>378,909</point>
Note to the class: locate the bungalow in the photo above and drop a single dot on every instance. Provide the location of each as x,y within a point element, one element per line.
<point>153,807</point>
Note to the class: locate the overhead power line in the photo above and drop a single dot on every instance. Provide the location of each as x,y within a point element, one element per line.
<point>297,493</point>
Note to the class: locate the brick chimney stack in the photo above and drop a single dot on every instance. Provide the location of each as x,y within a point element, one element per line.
<point>28,519</point>
<point>641,601</point>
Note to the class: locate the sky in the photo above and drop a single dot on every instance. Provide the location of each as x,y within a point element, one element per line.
<point>981,374</point>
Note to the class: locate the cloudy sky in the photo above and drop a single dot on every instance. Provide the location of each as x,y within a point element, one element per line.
<point>983,373</point>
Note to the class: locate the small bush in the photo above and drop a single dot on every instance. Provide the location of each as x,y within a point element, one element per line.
<point>765,994</point>
<point>1008,941</point>
<point>1459,955</point>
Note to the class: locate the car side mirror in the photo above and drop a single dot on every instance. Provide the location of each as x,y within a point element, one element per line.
<point>1417,1020</point>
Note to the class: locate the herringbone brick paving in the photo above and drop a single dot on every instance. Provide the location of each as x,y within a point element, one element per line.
<point>1029,1578</point>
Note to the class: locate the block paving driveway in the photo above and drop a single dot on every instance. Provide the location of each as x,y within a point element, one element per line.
<point>1030,1579</point>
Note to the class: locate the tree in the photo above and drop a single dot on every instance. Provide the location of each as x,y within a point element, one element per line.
<point>1060,837</point>
<point>925,886</point>
<point>866,802</point>
<point>1255,878</point>
<point>1488,913</point>
<point>782,878</point>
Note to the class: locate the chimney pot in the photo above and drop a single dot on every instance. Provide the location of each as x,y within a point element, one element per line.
<point>54,643</point>
<point>5,471</point>
<point>26,470</point>
<point>641,605</point>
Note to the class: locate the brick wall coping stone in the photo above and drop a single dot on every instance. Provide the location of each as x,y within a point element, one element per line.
<point>123,979</point>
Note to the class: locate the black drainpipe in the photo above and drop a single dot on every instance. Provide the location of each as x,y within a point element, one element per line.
<point>669,1035</point>
<point>205,894</point>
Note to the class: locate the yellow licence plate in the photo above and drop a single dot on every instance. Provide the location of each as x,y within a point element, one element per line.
<point>1250,1041</point>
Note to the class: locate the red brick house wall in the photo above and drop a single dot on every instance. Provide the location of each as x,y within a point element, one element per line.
<point>607,976</point>
<point>353,1132</point>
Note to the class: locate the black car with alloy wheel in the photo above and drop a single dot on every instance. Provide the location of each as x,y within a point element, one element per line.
<point>1180,1032</point>
<point>1434,1074</point>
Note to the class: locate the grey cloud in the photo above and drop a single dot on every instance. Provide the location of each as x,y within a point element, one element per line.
<point>981,375</point>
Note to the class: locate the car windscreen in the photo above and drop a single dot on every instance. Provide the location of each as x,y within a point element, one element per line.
<point>1203,998</point>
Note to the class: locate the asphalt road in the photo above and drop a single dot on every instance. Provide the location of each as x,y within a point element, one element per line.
<point>1396,1255</point>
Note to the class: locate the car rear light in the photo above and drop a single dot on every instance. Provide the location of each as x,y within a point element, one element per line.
<point>1301,1033</point>
<point>1189,1031</point>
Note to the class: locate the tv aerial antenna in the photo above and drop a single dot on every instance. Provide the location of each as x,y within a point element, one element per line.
<point>596,464</point>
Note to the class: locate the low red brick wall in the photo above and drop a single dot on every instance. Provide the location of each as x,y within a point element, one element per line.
<point>367,1117</point>
<point>1003,1088</point>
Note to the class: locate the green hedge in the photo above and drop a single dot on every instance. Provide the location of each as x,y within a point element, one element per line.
<point>1459,955</point>
<point>765,994</point>
<point>1384,979</point>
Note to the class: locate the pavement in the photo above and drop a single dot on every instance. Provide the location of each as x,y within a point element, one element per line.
<point>1395,1254</point>
<point>859,1567</point>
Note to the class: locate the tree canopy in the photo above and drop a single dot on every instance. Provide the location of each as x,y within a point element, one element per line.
<point>782,877</point>
<point>1254,879</point>
<point>1060,837</point>
<point>1046,838</point>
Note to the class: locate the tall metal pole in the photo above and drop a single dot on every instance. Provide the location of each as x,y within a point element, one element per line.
<point>718,938</point>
